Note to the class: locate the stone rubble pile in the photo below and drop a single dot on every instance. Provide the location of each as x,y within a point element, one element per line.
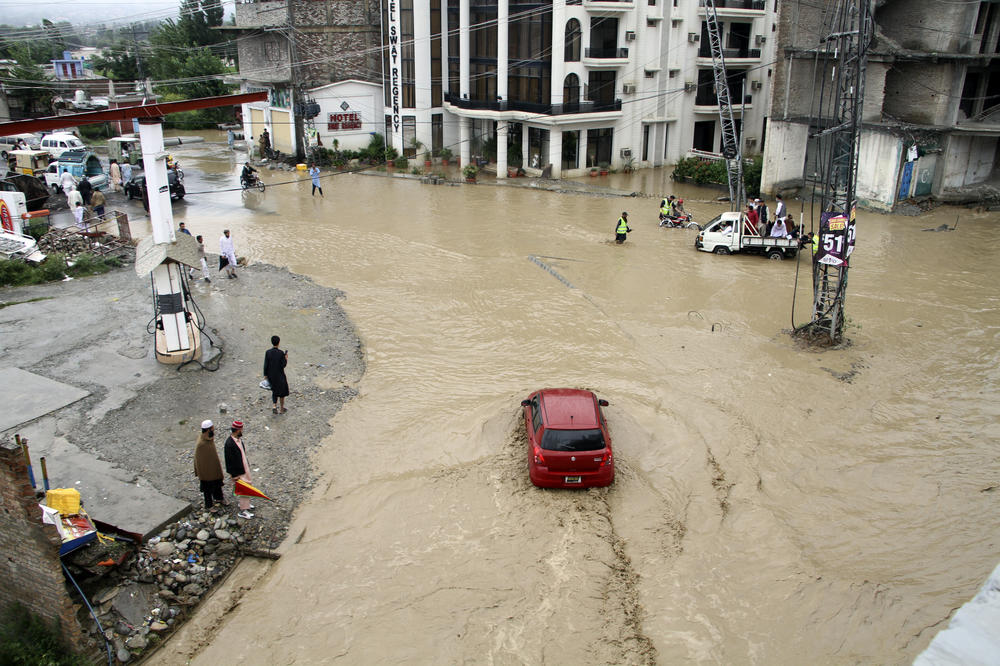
<point>168,576</point>
<point>71,245</point>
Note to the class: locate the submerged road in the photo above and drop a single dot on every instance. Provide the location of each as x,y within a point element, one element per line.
<point>773,504</point>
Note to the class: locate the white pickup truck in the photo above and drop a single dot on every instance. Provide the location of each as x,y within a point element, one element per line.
<point>732,232</point>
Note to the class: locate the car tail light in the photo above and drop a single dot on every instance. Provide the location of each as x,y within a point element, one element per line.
<point>539,458</point>
<point>605,459</point>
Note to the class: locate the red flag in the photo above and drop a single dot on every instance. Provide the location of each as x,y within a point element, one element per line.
<point>244,488</point>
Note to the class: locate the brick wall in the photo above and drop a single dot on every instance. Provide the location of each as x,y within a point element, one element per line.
<point>31,572</point>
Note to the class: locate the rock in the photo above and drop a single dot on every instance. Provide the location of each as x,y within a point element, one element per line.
<point>181,534</point>
<point>223,408</point>
<point>203,535</point>
<point>136,642</point>
<point>164,549</point>
<point>180,578</point>
<point>159,626</point>
<point>123,655</point>
<point>145,577</point>
<point>108,595</point>
<point>122,629</point>
<point>223,535</point>
<point>167,594</point>
<point>194,589</point>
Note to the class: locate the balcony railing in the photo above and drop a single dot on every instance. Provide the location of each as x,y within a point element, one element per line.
<point>586,106</point>
<point>731,54</point>
<point>599,53</point>
<point>758,5</point>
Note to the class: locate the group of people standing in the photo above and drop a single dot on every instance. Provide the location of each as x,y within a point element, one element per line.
<point>782,226</point>
<point>207,466</point>
<point>120,174</point>
<point>83,200</point>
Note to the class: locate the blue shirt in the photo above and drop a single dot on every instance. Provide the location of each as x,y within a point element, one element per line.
<point>314,172</point>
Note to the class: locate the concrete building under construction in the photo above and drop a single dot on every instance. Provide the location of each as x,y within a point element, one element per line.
<point>931,102</point>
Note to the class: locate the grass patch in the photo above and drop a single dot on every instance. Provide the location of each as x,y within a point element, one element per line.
<point>26,639</point>
<point>16,273</point>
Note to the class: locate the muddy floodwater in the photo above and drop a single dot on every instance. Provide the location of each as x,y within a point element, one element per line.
<point>773,505</point>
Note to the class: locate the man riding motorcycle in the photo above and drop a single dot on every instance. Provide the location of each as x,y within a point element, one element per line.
<point>248,177</point>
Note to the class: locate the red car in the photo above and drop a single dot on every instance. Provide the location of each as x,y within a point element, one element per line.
<point>568,441</point>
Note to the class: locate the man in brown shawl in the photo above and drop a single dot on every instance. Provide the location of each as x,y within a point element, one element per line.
<point>207,466</point>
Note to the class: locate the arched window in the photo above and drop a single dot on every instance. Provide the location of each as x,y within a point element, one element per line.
<point>571,91</point>
<point>573,36</point>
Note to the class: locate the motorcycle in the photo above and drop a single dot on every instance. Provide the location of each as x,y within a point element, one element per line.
<point>679,221</point>
<point>252,182</point>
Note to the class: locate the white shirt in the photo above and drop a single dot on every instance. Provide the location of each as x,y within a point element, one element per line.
<point>78,215</point>
<point>72,198</point>
<point>227,249</point>
<point>67,179</point>
<point>778,230</point>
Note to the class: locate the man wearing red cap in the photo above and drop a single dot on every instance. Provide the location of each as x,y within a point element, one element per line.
<point>237,465</point>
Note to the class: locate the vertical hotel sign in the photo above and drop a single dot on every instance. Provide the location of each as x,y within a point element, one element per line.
<point>394,66</point>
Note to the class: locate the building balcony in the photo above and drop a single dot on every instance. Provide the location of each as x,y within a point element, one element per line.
<point>733,57</point>
<point>609,5</point>
<point>736,8</point>
<point>596,57</point>
<point>585,106</point>
<point>710,104</point>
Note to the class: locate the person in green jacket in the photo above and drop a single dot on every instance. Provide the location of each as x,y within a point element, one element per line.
<point>622,228</point>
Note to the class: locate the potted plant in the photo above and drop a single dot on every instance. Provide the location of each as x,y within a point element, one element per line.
<point>445,154</point>
<point>470,171</point>
<point>629,165</point>
<point>604,168</point>
<point>593,172</point>
<point>401,162</point>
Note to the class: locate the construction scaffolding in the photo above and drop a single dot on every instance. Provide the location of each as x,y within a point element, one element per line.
<point>837,119</point>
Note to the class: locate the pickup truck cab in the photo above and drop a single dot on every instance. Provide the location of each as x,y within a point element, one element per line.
<point>82,164</point>
<point>732,232</point>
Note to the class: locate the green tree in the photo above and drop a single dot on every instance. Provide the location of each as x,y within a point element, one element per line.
<point>34,99</point>
<point>117,62</point>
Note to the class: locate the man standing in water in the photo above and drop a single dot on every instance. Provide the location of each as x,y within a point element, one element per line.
<point>622,228</point>
<point>314,173</point>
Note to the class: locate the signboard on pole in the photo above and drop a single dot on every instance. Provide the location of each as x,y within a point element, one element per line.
<point>833,239</point>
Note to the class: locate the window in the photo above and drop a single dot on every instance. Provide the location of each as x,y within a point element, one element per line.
<point>388,130</point>
<point>408,65</point>
<point>645,142</point>
<point>599,146</point>
<point>529,47</point>
<point>573,37</point>
<point>666,140</point>
<point>453,47</point>
<point>603,37</point>
<point>435,52</point>
<point>704,136</point>
<point>536,414</point>
<point>570,149</point>
<point>409,134</point>
<point>538,147</point>
<point>571,91</point>
<point>650,74</point>
<point>483,51</point>
<point>437,133</point>
<point>271,51</point>
<point>601,86</point>
<point>573,440</point>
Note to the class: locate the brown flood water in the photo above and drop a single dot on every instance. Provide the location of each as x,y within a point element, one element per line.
<point>773,505</point>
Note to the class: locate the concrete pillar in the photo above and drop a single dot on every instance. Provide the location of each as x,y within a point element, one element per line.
<point>874,91</point>
<point>154,166</point>
<point>465,136</point>
<point>581,155</point>
<point>422,56</point>
<point>558,52</point>
<point>463,50</point>
<point>502,51</point>
<point>555,151</point>
<point>525,158</point>
<point>501,148</point>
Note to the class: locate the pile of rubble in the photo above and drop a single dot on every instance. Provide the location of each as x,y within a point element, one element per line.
<point>154,589</point>
<point>72,244</point>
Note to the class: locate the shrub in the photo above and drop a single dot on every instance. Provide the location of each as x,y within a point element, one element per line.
<point>400,162</point>
<point>25,638</point>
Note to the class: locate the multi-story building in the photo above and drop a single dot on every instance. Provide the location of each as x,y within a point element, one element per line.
<point>291,48</point>
<point>931,102</point>
<point>569,84</point>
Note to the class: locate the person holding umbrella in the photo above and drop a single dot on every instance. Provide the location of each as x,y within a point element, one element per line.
<point>237,466</point>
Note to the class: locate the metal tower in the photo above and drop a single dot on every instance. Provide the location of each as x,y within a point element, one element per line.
<point>844,49</point>
<point>730,140</point>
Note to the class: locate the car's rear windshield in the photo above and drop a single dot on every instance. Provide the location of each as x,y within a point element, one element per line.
<point>573,440</point>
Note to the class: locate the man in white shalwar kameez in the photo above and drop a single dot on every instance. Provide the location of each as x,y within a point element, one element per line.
<point>228,250</point>
<point>68,182</point>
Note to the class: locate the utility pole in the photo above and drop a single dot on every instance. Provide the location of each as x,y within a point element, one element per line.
<point>848,35</point>
<point>731,151</point>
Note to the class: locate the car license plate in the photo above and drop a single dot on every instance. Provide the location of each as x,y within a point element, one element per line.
<point>574,479</point>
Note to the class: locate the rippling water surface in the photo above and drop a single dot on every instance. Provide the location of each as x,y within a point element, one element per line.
<point>773,504</point>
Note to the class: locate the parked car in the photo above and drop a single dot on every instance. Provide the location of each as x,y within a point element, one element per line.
<point>9,143</point>
<point>58,143</point>
<point>568,441</point>
<point>80,163</point>
<point>136,188</point>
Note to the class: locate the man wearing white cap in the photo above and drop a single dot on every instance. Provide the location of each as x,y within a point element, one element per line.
<point>207,467</point>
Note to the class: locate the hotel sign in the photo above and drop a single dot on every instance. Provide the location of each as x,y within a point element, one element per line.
<point>338,122</point>
<point>394,64</point>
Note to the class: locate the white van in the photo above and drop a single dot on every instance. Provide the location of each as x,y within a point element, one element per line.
<point>9,143</point>
<point>58,143</point>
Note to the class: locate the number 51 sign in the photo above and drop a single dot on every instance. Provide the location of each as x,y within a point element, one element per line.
<point>836,238</point>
